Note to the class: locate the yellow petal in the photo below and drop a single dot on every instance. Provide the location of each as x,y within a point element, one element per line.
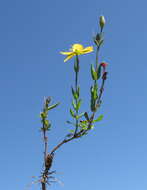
<point>66,53</point>
<point>69,57</point>
<point>87,50</point>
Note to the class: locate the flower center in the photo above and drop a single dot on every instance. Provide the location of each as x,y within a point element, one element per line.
<point>77,48</point>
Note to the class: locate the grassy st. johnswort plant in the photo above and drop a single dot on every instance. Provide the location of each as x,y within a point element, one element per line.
<point>82,122</point>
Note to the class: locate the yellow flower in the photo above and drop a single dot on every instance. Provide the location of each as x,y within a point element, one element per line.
<point>76,49</point>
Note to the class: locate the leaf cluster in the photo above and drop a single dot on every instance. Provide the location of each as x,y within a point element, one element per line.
<point>46,125</point>
<point>98,39</point>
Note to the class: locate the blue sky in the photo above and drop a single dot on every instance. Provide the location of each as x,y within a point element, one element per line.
<point>33,32</point>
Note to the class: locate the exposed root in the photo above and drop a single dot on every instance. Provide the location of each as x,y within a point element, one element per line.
<point>46,177</point>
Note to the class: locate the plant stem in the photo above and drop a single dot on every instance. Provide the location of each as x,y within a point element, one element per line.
<point>43,180</point>
<point>76,88</point>
<point>45,140</point>
<point>101,92</point>
<point>65,141</point>
<point>96,61</point>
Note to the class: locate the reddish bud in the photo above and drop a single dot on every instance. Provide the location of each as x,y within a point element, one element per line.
<point>104,64</point>
<point>104,77</point>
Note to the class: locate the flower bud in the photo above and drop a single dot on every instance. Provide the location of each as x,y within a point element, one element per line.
<point>104,77</point>
<point>102,22</point>
<point>104,65</point>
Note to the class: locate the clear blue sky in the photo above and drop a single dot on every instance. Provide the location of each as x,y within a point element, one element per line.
<point>32,33</point>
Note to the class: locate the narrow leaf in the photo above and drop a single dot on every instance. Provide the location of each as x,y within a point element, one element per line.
<point>71,131</point>
<point>72,113</point>
<point>93,73</point>
<point>78,104</point>
<point>75,94</point>
<point>83,126</point>
<point>46,123</point>
<point>99,118</point>
<point>72,90</point>
<point>71,123</point>
<point>92,103</point>
<point>43,115</point>
<point>74,105</point>
<point>53,106</point>
<point>69,135</point>
<point>78,91</point>
<point>81,115</point>
<point>95,90</point>
<point>86,116</point>
<point>84,122</point>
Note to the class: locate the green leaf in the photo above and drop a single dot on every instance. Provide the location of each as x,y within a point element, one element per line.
<point>74,105</point>
<point>92,103</point>
<point>72,131</point>
<point>92,90</point>
<point>84,122</point>
<point>83,126</point>
<point>101,42</point>
<point>92,126</point>
<point>72,113</point>
<point>86,116</point>
<point>79,116</point>
<point>94,96</point>
<point>78,105</point>
<point>98,39</point>
<point>95,90</point>
<point>85,133</point>
<point>75,94</point>
<point>47,125</point>
<point>46,122</point>
<point>43,115</point>
<point>69,122</point>
<point>78,91</point>
<point>53,106</point>
<point>93,73</point>
<point>99,118</point>
<point>93,107</point>
<point>69,135</point>
<point>72,90</point>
